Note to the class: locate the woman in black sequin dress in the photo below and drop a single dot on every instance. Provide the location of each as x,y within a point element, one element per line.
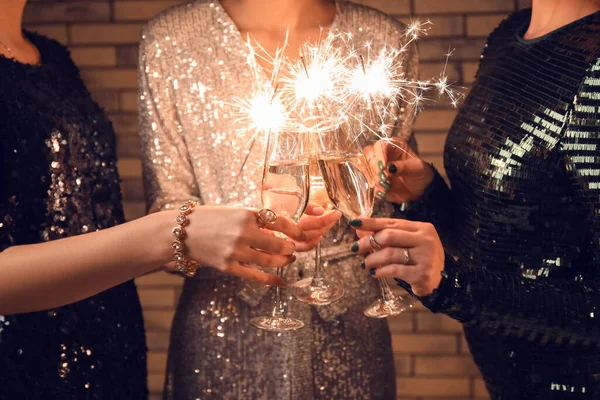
<point>522,217</point>
<point>59,180</point>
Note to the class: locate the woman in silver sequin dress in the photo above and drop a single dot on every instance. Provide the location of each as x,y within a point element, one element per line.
<point>193,61</point>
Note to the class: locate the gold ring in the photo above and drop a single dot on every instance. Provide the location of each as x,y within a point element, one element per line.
<point>266,216</point>
<point>374,245</point>
<point>406,257</point>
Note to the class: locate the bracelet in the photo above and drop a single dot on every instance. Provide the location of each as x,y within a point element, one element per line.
<point>184,266</point>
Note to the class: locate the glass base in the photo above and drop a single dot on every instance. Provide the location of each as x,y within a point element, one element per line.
<point>319,294</point>
<point>276,324</point>
<point>384,309</point>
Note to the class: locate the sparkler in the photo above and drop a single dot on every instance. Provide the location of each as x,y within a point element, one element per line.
<point>338,83</point>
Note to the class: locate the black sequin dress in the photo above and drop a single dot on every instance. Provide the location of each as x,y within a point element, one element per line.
<point>59,179</point>
<point>523,214</point>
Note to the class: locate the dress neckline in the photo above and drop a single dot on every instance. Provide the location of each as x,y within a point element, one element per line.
<point>34,39</point>
<point>243,44</point>
<point>521,31</point>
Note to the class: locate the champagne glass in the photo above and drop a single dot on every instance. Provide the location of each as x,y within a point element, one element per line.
<point>318,290</point>
<point>351,187</point>
<point>285,190</point>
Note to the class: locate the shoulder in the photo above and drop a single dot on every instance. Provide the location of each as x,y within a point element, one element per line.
<point>182,26</point>
<point>51,50</point>
<point>359,16</point>
<point>510,27</point>
<point>175,20</point>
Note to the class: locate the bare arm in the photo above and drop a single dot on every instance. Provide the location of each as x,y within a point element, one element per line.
<point>47,275</point>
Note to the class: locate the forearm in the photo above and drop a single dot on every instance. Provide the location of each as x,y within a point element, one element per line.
<point>435,206</point>
<point>47,275</point>
<point>557,311</point>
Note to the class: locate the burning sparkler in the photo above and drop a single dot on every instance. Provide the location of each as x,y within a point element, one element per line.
<point>339,82</point>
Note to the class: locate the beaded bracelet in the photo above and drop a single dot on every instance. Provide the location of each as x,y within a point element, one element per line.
<point>184,266</point>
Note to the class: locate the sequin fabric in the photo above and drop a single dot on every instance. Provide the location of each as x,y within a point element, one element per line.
<point>193,62</point>
<point>59,179</point>
<point>523,160</point>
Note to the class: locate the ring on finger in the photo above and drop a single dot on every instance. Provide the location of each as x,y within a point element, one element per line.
<point>374,244</point>
<point>407,259</point>
<point>266,216</point>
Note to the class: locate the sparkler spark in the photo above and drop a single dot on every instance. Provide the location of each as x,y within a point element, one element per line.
<point>339,83</point>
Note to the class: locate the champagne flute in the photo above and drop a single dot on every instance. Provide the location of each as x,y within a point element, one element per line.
<point>285,190</point>
<point>318,290</point>
<point>351,187</point>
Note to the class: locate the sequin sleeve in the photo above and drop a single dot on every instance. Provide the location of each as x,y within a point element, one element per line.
<point>552,310</point>
<point>435,206</point>
<point>168,174</point>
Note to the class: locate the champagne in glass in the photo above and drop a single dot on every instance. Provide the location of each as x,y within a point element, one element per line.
<point>349,183</point>
<point>318,290</point>
<point>285,190</point>
<point>351,187</point>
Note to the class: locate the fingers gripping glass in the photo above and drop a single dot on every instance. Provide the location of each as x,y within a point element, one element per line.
<point>351,187</point>
<point>390,303</point>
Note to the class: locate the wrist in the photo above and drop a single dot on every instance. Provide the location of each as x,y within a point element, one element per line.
<point>441,298</point>
<point>160,227</point>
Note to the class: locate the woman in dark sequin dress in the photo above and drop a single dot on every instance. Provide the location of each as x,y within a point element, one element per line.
<point>522,217</point>
<point>59,180</point>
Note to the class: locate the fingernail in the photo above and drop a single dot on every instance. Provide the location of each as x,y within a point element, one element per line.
<point>380,194</point>
<point>354,247</point>
<point>392,168</point>
<point>363,265</point>
<point>382,176</point>
<point>372,272</point>
<point>380,165</point>
<point>292,259</point>
<point>355,222</point>
<point>385,185</point>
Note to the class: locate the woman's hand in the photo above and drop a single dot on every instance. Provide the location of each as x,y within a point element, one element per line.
<point>400,174</point>
<point>231,238</point>
<point>315,223</point>
<point>394,240</point>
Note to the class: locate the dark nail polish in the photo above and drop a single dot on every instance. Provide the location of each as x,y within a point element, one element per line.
<point>354,247</point>
<point>385,185</point>
<point>363,265</point>
<point>380,165</point>
<point>392,168</point>
<point>380,194</point>
<point>355,222</point>
<point>372,272</point>
<point>382,176</point>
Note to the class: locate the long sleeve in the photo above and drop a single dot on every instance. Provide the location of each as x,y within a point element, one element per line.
<point>435,206</point>
<point>552,310</point>
<point>168,175</point>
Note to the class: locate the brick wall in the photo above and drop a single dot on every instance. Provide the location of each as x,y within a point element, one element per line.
<point>432,359</point>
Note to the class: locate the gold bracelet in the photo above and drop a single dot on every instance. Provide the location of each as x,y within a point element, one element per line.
<point>185,266</point>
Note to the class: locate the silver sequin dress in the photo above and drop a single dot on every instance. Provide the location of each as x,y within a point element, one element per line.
<point>193,62</point>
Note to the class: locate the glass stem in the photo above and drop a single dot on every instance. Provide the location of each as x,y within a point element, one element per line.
<point>386,291</point>
<point>278,311</point>
<point>318,277</point>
